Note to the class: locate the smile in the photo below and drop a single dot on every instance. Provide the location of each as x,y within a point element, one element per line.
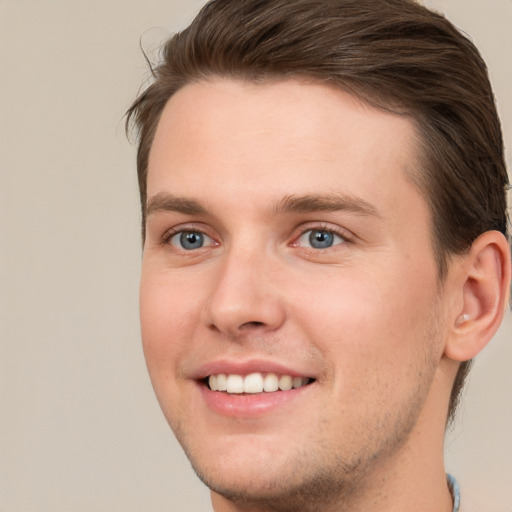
<point>255,383</point>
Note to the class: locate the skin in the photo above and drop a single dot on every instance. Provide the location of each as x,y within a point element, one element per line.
<point>366,318</point>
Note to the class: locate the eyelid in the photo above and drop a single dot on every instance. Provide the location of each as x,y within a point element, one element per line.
<point>305,240</point>
<point>347,236</point>
<point>189,227</point>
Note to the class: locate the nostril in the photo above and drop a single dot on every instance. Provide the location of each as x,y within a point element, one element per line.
<point>252,324</point>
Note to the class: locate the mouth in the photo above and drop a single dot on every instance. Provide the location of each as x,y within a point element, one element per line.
<point>254,383</point>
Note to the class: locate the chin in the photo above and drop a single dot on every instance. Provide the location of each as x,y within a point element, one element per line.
<point>275,488</point>
<point>256,487</point>
<point>269,480</point>
<point>253,471</point>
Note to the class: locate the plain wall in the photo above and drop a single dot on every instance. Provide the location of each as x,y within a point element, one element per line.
<point>80,429</point>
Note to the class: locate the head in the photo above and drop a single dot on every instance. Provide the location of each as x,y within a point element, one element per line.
<point>398,58</point>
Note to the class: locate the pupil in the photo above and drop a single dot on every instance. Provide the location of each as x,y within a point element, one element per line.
<point>191,240</point>
<point>320,239</point>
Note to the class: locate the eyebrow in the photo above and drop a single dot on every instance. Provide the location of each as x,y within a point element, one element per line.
<point>325,203</point>
<point>163,202</point>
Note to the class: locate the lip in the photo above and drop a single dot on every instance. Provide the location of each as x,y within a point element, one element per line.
<point>248,405</point>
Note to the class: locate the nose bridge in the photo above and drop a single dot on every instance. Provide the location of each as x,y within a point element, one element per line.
<point>244,297</point>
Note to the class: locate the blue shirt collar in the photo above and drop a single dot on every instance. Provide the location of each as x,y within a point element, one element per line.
<point>454,489</point>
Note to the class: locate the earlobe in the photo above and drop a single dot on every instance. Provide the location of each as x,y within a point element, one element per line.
<point>485,293</point>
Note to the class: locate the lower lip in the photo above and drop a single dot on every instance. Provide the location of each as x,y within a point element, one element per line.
<point>249,405</point>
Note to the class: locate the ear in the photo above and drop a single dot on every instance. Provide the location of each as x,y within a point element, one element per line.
<point>485,287</point>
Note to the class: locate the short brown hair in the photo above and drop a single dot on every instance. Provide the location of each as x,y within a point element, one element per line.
<point>393,54</point>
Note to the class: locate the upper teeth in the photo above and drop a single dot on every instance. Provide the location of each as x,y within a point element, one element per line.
<point>255,382</point>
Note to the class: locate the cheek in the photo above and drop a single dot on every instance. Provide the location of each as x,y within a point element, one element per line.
<point>168,320</point>
<point>370,324</point>
<point>168,314</point>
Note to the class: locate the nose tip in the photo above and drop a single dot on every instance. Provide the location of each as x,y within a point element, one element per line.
<point>244,301</point>
<point>237,315</point>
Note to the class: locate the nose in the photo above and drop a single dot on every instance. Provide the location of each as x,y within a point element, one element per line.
<point>246,298</point>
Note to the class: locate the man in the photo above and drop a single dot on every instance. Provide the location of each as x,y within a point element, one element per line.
<point>325,248</point>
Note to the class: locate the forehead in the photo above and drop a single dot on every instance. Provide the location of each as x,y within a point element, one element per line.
<point>265,140</point>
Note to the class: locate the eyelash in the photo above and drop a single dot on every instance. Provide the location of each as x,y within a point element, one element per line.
<point>169,235</point>
<point>343,234</point>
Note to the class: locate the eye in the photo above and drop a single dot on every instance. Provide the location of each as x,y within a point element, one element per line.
<point>319,239</point>
<point>190,240</point>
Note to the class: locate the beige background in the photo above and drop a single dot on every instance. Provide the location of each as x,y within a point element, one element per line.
<point>80,430</point>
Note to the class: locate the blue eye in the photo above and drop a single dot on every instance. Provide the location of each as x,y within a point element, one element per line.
<point>319,239</point>
<point>190,240</point>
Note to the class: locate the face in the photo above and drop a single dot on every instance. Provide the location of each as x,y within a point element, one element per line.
<point>288,262</point>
